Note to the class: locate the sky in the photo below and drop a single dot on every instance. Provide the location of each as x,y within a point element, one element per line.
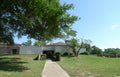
<point>100,22</point>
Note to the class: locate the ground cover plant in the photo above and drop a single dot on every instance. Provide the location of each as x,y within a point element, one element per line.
<point>91,66</point>
<point>20,66</point>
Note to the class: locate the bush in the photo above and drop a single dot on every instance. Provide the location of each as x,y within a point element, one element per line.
<point>65,54</point>
<point>85,53</point>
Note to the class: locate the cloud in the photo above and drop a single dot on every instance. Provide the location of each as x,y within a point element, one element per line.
<point>114,27</point>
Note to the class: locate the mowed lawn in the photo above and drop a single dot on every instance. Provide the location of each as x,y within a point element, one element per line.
<point>20,66</point>
<point>91,66</point>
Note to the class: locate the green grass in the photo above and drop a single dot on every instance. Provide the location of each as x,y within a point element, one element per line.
<point>20,66</point>
<point>91,66</point>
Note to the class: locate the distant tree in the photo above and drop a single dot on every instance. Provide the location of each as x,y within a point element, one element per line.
<point>39,19</point>
<point>112,51</point>
<point>95,50</point>
<point>28,43</point>
<point>38,43</point>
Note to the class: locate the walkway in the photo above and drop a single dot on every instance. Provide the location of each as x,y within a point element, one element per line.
<point>52,69</point>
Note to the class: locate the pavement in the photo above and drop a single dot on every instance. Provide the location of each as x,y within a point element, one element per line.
<point>52,69</point>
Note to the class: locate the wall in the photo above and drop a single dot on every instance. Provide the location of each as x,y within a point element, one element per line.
<point>45,48</point>
<point>8,49</point>
<point>63,49</point>
<point>30,50</point>
<point>5,50</point>
<point>82,50</point>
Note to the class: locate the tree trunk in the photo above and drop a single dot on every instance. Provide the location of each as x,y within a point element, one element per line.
<point>74,51</point>
<point>79,49</point>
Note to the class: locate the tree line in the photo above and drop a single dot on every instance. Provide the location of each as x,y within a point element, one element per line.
<point>94,50</point>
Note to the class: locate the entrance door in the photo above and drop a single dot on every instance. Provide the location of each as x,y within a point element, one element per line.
<point>14,51</point>
<point>49,54</point>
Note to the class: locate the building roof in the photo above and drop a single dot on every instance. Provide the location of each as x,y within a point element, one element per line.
<point>58,44</point>
<point>5,44</point>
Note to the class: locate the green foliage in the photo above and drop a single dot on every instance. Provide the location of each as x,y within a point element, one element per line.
<point>112,51</point>
<point>38,43</point>
<point>5,35</point>
<point>39,19</point>
<point>76,45</point>
<point>87,46</point>
<point>74,42</point>
<point>95,50</point>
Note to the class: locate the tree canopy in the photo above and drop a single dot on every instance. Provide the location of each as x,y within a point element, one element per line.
<point>77,44</point>
<point>112,51</point>
<point>39,19</point>
<point>95,50</point>
<point>39,43</point>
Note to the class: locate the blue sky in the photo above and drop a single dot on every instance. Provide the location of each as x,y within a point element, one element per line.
<point>100,22</point>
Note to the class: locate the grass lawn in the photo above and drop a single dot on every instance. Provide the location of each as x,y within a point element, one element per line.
<point>91,66</point>
<point>20,66</point>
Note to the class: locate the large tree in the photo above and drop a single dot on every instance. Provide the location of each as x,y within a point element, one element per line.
<point>39,19</point>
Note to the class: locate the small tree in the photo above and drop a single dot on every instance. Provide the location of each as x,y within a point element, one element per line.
<point>76,45</point>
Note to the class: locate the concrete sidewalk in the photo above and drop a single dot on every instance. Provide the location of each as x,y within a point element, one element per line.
<point>52,69</point>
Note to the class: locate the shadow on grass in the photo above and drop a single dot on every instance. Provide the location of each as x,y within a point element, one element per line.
<point>12,64</point>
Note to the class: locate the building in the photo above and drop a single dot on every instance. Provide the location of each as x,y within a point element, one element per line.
<point>9,49</point>
<point>19,49</point>
<point>59,47</point>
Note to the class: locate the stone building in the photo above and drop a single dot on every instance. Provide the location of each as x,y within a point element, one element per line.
<point>9,49</point>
